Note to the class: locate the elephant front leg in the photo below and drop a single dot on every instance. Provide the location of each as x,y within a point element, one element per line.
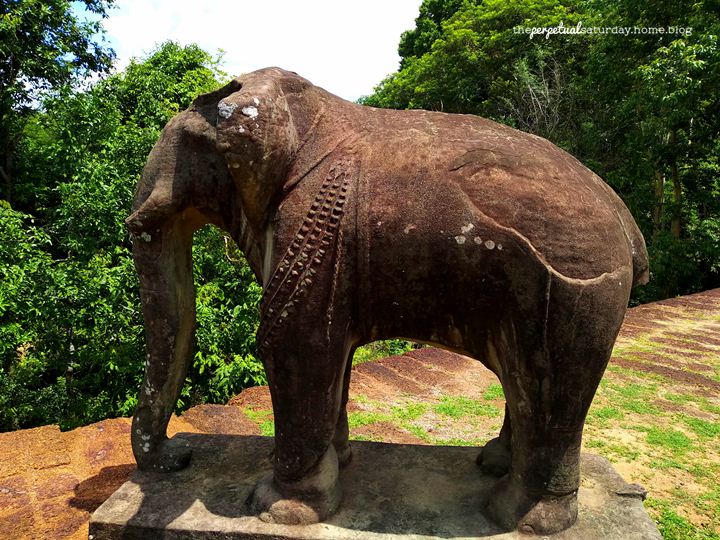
<point>163,261</point>
<point>306,375</point>
<point>341,439</point>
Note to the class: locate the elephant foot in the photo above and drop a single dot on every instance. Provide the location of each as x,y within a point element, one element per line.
<point>511,507</point>
<point>168,456</point>
<point>494,458</point>
<point>304,502</point>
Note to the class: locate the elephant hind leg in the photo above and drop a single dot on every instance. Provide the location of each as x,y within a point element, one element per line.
<point>553,361</point>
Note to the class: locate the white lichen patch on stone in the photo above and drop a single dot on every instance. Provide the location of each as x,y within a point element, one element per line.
<point>226,109</point>
<point>460,239</point>
<point>256,101</point>
<point>145,236</point>
<point>146,447</point>
<point>499,246</point>
<point>250,111</point>
<point>489,244</point>
<point>145,437</point>
<point>477,240</point>
<point>240,129</point>
<point>467,228</point>
<point>409,228</point>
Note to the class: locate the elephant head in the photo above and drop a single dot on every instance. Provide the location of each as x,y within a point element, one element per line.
<point>222,161</point>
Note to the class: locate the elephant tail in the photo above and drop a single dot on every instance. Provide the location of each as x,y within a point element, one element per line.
<point>641,266</point>
<point>638,249</point>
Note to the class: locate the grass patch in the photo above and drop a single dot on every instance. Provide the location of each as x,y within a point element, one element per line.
<point>634,397</point>
<point>702,428</point>
<point>494,391</point>
<point>458,406</point>
<point>613,450</point>
<point>263,419</point>
<point>602,416</point>
<point>267,428</point>
<point>673,526</point>
<point>710,501</point>
<point>257,416</point>
<point>360,398</point>
<point>411,411</point>
<point>710,407</point>
<point>634,390</point>
<point>381,349</point>
<point>639,407</point>
<point>357,419</point>
<point>671,439</point>
<point>419,432</point>
<point>680,399</point>
<point>667,463</point>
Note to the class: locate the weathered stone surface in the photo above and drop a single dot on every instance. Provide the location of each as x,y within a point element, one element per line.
<point>390,491</point>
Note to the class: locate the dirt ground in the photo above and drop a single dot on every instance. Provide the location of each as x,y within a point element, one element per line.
<point>656,417</point>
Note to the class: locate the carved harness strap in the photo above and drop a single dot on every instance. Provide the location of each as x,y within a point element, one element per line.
<point>318,235</point>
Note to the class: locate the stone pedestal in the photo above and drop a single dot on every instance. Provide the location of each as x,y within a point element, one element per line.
<point>391,491</point>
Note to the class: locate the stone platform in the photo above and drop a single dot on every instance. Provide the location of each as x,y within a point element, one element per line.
<point>390,491</point>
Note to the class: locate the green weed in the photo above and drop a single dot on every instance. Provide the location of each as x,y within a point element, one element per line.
<point>679,398</point>
<point>494,391</point>
<point>603,415</point>
<point>675,527</point>
<point>704,429</point>
<point>613,450</point>
<point>267,428</point>
<point>419,432</point>
<point>363,418</point>
<point>458,406</point>
<point>669,438</point>
<point>411,411</point>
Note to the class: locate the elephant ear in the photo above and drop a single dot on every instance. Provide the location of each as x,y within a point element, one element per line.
<point>255,132</point>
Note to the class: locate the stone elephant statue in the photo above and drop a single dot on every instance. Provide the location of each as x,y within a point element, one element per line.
<point>365,224</point>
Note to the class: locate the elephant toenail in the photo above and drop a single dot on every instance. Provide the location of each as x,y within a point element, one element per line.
<point>526,529</point>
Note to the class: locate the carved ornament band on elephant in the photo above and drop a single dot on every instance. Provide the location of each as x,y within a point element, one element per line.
<point>366,224</point>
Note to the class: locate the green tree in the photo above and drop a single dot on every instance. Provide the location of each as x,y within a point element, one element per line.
<point>651,105</point>
<point>72,348</point>
<point>43,46</point>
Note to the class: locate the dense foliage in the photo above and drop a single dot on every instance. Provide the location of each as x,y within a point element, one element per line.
<point>641,109</point>
<point>71,337</point>
<point>43,46</point>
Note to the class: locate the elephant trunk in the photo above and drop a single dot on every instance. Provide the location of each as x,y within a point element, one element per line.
<point>163,259</point>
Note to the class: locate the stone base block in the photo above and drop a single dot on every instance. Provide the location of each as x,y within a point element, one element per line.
<point>390,491</point>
